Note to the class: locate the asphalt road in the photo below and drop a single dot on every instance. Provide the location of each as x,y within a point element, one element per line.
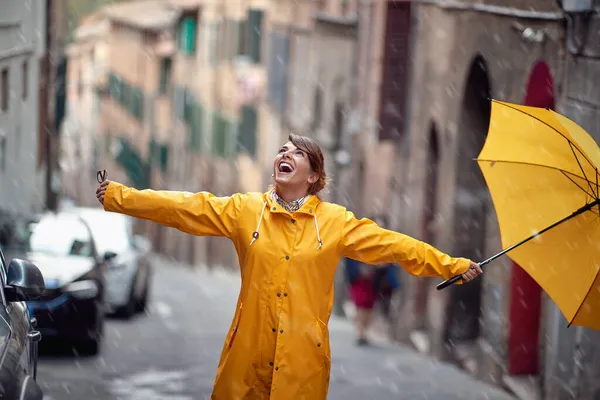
<point>171,352</point>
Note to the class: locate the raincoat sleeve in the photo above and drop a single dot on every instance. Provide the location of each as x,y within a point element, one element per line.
<point>365,241</point>
<point>201,213</point>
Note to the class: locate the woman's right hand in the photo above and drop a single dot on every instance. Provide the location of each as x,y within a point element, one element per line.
<point>101,191</point>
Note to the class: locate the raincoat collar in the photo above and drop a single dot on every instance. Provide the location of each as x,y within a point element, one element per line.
<point>308,208</point>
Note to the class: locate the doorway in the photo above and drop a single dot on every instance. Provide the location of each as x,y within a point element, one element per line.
<point>525,293</point>
<point>471,204</point>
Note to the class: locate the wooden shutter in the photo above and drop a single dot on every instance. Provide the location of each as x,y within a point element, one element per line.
<point>247,136</point>
<point>255,21</point>
<point>394,87</point>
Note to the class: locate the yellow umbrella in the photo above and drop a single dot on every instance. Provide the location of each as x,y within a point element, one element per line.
<point>542,172</point>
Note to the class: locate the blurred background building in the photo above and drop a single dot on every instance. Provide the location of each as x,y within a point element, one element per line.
<point>32,65</point>
<point>198,95</point>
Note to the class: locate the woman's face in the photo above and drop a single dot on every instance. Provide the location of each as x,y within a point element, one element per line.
<point>292,167</point>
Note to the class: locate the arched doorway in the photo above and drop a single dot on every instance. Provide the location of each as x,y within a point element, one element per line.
<point>525,293</point>
<point>472,202</point>
<point>428,221</point>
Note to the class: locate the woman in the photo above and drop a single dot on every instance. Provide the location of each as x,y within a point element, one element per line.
<point>289,243</point>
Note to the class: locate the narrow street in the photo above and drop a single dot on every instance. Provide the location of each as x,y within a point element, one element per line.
<point>172,353</point>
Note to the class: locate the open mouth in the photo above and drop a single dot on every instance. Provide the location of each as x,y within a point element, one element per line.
<point>285,168</point>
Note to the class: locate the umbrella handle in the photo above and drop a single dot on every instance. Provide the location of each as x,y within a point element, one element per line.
<point>449,282</point>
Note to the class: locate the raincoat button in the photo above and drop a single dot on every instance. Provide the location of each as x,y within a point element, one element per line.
<point>285,294</point>
<point>281,331</point>
<point>318,344</point>
<point>274,330</point>
<point>278,294</point>
<point>293,221</point>
<point>287,257</point>
<point>310,210</point>
<point>276,368</point>
<point>274,208</point>
<point>271,364</point>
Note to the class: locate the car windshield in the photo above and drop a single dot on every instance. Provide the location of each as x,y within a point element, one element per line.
<point>60,236</point>
<point>112,232</point>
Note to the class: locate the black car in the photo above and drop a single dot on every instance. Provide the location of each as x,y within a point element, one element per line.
<point>22,281</point>
<point>72,306</point>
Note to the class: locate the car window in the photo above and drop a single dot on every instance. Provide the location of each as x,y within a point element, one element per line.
<point>61,235</point>
<point>112,232</point>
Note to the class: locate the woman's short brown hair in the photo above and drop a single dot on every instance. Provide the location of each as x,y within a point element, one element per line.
<point>315,158</point>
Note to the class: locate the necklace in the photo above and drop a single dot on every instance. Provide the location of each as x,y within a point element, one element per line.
<point>289,206</point>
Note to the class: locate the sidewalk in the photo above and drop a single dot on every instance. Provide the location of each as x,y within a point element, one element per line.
<point>386,370</point>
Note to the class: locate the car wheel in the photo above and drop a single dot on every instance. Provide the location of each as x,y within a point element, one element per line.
<point>128,310</point>
<point>91,346</point>
<point>143,302</point>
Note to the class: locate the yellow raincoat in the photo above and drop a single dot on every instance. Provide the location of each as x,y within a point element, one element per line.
<point>278,345</point>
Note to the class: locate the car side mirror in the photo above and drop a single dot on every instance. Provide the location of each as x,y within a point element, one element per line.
<point>109,255</point>
<point>24,281</point>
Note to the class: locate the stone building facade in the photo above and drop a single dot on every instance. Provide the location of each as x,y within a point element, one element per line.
<point>503,329</point>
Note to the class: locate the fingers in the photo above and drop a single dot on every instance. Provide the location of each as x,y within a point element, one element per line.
<point>473,272</point>
<point>101,191</point>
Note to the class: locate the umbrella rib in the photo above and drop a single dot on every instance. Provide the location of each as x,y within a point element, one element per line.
<point>565,173</point>
<point>549,126</point>
<point>577,184</point>
<point>582,171</point>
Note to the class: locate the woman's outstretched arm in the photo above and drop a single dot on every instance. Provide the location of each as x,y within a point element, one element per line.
<point>201,214</point>
<point>365,241</point>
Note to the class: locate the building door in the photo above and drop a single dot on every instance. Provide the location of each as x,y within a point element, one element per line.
<point>525,293</point>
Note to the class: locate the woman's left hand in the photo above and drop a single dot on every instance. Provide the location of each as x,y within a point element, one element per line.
<point>473,272</point>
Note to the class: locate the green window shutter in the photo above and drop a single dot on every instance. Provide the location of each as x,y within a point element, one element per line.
<point>136,103</point>
<point>164,157</point>
<point>255,20</point>
<point>152,153</point>
<point>127,97</point>
<point>196,128</point>
<point>187,36</point>
<point>219,140</point>
<point>247,132</point>
<point>118,90</point>
<point>188,106</point>
<point>112,85</point>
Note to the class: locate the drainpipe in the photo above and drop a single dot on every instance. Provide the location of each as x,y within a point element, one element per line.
<point>48,124</point>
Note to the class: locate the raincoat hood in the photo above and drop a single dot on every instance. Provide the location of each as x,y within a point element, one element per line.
<point>278,344</point>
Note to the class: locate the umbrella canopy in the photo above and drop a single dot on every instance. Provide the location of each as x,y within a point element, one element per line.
<point>542,172</point>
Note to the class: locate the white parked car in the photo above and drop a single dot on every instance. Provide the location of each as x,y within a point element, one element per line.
<point>128,272</point>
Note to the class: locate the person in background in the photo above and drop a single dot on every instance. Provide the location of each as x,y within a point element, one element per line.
<point>368,286</point>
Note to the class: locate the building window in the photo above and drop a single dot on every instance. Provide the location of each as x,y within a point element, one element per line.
<point>247,133</point>
<point>277,69</point>
<point>220,128</point>
<point>255,21</point>
<point>137,103</point>
<point>242,49</point>
<point>187,35</point>
<point>3,151</point>
<point>24,84</point>
<point>5,92</point>
<point>165,74</point>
